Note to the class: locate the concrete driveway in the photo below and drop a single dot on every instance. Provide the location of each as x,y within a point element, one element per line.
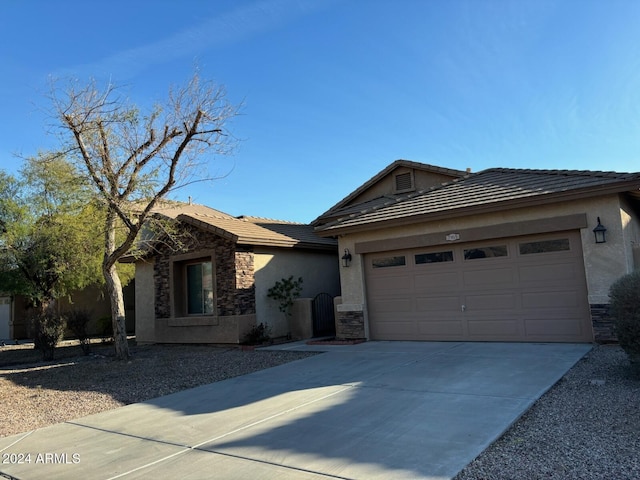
<point>376,410</point>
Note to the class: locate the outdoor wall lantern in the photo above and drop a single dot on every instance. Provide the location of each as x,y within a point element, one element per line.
<point>346,258</point>
<point>600,232</point>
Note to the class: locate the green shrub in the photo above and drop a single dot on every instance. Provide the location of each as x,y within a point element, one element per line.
<point>625,311</point>
<point>77,322</point>
<point>48,329</point>
<point>258,335</point>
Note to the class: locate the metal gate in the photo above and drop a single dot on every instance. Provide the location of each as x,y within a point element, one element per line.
<point>324,323</point>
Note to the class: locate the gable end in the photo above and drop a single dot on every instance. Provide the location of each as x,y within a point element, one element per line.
<point>404,182</point>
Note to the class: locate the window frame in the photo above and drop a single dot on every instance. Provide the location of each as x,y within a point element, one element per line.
<point>391,259</point>
<point>440,256</point>
<point>178,284</point>
<point>560,241</point>
<point>187,291</point>
<point>503,253</point>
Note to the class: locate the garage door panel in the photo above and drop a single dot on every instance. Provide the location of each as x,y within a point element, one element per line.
<point>435,303</point>
<point>445,327</point>
<point>494,328</point>
<point>437,281</point>
<point>557,273</point>
<point>554,299</point>
<point>489,278</point>
<point>546,327</point>
<point>390,285</point>
<point>491,301</point>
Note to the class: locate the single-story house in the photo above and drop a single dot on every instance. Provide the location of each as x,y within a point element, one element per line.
<point>498,255</point>
<point>212,287</point>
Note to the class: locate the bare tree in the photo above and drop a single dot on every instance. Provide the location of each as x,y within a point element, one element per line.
<point>135,160</point>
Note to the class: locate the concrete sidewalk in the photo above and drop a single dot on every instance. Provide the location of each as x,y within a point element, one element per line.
<point>377,410</point>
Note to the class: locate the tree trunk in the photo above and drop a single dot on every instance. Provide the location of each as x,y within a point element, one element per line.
<point>114,289</point>
<point>118,316</point>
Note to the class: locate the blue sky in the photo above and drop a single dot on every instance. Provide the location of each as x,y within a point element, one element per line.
<point>335,90</point>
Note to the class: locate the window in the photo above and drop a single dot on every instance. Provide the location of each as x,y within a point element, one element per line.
<point>191,294</point>
<point>385,262</point>
<point>435,257</point>
<point>485,252</point>
<point>544,246</point>
<point>199,286</point>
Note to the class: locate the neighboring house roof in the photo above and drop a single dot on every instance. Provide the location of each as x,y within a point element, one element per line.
<point>489,190</point>
<point>246,230</point>
<point>346,206</point>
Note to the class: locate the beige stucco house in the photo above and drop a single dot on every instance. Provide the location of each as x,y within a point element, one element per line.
<point>499,255</point>
<point>213,288</point>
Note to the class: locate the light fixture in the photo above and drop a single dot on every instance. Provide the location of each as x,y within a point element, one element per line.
<point>346,258</point>
<point>600,232</point>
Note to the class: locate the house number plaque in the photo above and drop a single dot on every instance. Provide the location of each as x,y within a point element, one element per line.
<point>452,237</point>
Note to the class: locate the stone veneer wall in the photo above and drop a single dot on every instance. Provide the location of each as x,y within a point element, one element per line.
<point>234,273</point>
<point>603,328</point>
<point>350,325</point>
<point>245,289</point>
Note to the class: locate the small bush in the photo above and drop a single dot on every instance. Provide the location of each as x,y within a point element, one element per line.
<point>77,322</point>
<point>625,311</point>
<point>285,292</point>
<point>48,329</point>
<point>258,335</point>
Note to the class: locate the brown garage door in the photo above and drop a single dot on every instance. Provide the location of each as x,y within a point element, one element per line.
<point>517,289</point>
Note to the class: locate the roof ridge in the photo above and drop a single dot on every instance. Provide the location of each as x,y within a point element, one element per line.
<point>217,214</point>
<point>251,218</point>
<point>585,173</point>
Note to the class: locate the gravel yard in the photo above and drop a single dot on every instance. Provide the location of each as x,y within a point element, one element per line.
<point>35,394</point>
<point>585,427</point>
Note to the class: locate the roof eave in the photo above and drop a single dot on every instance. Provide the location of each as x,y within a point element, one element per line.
<point>534,200</point>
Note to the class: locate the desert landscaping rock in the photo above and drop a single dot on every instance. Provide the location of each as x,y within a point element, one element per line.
<point>38,394</point>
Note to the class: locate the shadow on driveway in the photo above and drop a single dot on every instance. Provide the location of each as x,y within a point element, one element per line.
<point>397,410</point>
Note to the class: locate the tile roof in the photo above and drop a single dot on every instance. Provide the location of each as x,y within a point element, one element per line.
<point>345,206</point>
<point>492,189</point>
<point>246,230</point>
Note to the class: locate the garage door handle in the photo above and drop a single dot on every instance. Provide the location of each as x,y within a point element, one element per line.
<point>463,308</point>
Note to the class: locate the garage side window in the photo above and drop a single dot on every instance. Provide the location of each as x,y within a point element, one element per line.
<point>485,252</point>
<point>384,262</point>
<point>545,246</point>
<point>434,257</point>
